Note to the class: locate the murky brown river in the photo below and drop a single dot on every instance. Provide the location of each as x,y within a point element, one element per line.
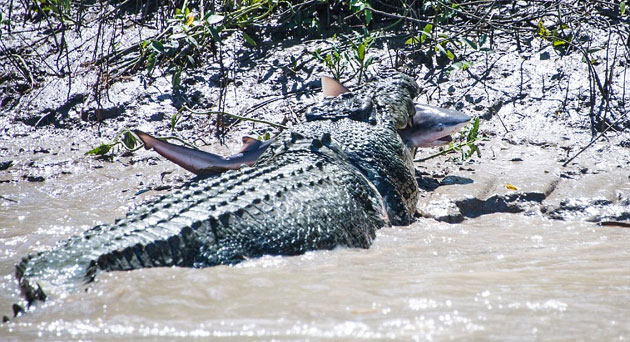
<point>501,277</point>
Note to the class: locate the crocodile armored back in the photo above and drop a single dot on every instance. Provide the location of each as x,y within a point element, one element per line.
<point>332,181</point>
<point>366,125</point>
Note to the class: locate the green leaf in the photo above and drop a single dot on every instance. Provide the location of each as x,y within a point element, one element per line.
<point>328,60</point>
<point>101,150</point>
<point>369,61</point>
<point>172,50</point>
<point>129,140</point>
<point>428,28</point>
<point>151,60</point>
<point>368,16</point>
<point>542,30</point>
<point>472,135</point>
<point>357,5</point>
<point>469,43</point>
<point>462,65</point>
<point>174,120</point>
<point>318,54</point>
<point>193,41</point>
<point>412,40</point>
<point>215,34</point>
<point>177,79</point>
<point>440,48</point>
<point>450,55</point>
<point>215,19</point>
<point>482,39</point>
<point>622,8</point>
<point>557,43</point>
<point>426,32</point>
<point>249,39</point>
<point>157,46</point>
<point>361,52</point>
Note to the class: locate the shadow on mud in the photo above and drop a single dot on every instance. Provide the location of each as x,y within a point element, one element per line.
<point>429,183</point>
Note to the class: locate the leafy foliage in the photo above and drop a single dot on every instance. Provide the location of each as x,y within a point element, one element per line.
<point>335,58</point>
<point>560,37</point>
<point>467,147</point>
<point>124,140</point>
<point>469,136</point>
<point>338,57</point>
<point>361,46</point>
<point>363,8</point>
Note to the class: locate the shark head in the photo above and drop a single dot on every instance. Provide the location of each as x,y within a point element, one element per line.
<point>432,126</point>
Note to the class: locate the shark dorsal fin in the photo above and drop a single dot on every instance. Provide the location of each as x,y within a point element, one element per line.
<point>332,87</point>
<point>249,143</point>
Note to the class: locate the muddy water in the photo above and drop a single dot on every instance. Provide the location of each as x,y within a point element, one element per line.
<point>495,277</point>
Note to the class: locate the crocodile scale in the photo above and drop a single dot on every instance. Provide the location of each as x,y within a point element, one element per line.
<point>331,181</point>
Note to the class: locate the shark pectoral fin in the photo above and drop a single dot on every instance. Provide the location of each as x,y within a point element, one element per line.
<point>195,161</point>
<point>332,87</point>
<point>250,151</point>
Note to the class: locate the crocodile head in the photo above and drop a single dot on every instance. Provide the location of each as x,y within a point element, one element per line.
<point>428,126</point>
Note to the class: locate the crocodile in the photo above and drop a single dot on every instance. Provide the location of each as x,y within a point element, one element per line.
<point>330,181</point>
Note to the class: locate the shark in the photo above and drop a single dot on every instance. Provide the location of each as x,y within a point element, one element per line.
<point>430,126</point>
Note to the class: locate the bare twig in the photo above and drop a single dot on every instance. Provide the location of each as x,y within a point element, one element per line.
<point>596,138</point>
<point>237,117</point>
